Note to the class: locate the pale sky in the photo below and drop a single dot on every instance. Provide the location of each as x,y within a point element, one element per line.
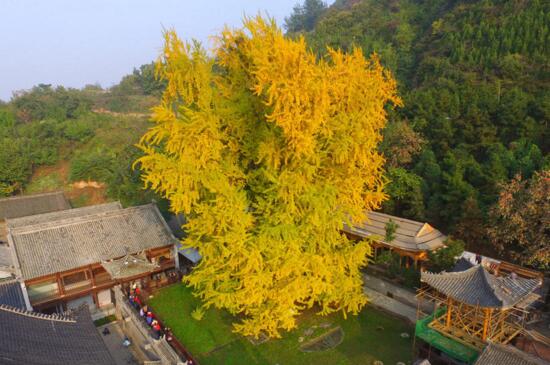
<point>79,42</point>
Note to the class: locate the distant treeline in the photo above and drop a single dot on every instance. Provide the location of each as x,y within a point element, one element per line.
<point>475,80</point>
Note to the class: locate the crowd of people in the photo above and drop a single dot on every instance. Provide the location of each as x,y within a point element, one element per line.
<point>147,315</point>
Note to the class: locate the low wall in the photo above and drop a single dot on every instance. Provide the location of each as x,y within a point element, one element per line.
<point>398,293</point>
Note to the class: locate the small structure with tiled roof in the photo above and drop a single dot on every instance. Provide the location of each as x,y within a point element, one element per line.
<point>40,339</point>
<point>477,287</point>
<point>128,266</point>
<point>495,354</point>
<point>21,206</point>
<point>25,205</point>
<point>413,240</point>
<point>474,307</point>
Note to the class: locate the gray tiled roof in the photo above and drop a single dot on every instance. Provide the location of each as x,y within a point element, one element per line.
<point>461,265</point>
<point>24,205</point>
<point>6,262</point>
<point>38,339</point>
<point>476,286</point>
<point>409,235</point>
<point>128,266</point>
<point>47,248</point>
<point>62,214</point>
<point>495,354</point>
<point>11,294</point>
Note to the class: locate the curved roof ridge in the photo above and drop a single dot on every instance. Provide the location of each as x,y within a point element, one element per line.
<point>477,286</point>
<point>49,317</point>
<point>490,282</point>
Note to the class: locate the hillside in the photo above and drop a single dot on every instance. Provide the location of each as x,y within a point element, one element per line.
<point>80,141</point>
<point>475,80</point>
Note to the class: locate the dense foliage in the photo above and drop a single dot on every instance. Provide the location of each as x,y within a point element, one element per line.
<point>48,128</point>
<point>267,151</point>
<point>475,82</point>
<point>520,221</point>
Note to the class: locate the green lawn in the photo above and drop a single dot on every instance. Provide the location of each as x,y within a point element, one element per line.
<point>370,336</point>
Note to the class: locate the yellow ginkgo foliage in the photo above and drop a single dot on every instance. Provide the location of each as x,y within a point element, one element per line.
<point>268,151</point>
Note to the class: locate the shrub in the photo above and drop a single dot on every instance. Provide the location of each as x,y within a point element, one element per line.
<point>96,165</point>
<point>198,313</point>
<point>445,258</point>
<point>78,130</point>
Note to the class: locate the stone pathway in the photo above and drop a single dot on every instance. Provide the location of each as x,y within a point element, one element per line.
<point>122,355</point>
<point>391,305</point>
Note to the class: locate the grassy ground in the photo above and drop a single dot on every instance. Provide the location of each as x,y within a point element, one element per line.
<point>370,336</point>
<point>100,322</point>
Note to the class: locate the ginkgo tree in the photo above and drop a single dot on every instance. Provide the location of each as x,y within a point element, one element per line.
<point>269,151</point>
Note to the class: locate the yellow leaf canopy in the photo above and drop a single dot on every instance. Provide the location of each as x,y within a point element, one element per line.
<point>267,150</point>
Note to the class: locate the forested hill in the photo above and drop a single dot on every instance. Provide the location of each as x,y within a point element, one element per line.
<point>475,80</point>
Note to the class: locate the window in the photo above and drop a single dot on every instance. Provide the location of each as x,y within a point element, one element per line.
<point>75,278</point>
<point>42,290</point>
<point>76,281</point>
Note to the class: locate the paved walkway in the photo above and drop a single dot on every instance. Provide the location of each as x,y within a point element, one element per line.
<point>391,305</point>
<point>402,301</point>
<point>122,355</point>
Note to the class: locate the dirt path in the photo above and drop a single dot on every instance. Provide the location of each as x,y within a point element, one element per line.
<point>116,114</point>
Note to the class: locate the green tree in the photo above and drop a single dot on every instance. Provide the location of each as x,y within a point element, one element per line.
<point>520,226</point>
<point>304,17</point>
<point>445,258</point>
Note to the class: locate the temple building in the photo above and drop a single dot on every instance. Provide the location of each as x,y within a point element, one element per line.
<point>471,309</point>
<point>68,257</point>
<point>413,240</point>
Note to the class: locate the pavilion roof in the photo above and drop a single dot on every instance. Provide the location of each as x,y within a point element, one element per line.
<point>410,235</point>
<point>500,354</point>
<point>476,286</point>
<point>128,266</point>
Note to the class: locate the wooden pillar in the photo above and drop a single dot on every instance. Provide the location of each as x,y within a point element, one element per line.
<point>60,286</point>
<point>449,312</point>
<point>486,320</point>
<point>91,271</point>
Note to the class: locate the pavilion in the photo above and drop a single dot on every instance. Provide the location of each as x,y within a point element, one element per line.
<point>413,240</point>
<point>473,308</point>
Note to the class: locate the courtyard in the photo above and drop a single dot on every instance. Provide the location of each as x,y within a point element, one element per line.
<point>366,338</point>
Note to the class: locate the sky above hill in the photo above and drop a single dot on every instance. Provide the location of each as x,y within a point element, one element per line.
<point>74,43</point>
